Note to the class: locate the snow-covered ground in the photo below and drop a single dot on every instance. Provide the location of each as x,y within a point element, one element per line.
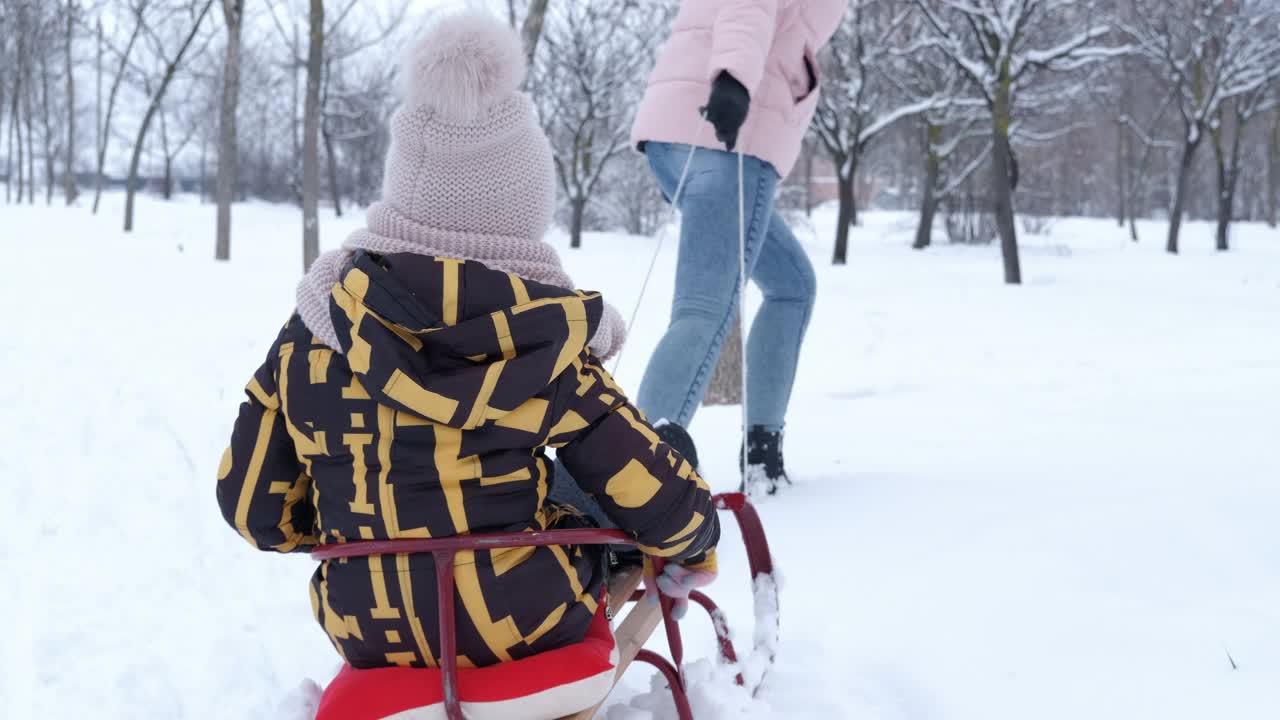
<point>1051,501</point>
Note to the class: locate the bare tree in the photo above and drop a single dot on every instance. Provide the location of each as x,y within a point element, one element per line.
<point>858,100</point>
<point>354,128</point>
<point>15,119</point>
<point>23,24</point>
<point>339,105</point>
<point>593,54</point>
<point>954,153</point>
<point>97,99</point>
<point>69,169</point>
<point>330,155</point>
<point>534,20</point>
<point>310,139</point>
<point>5,22</point>
<point>1010,49</point>
<point>233,15</point>
<point>28,89</point>
<point>174,140</point>
<point>534,17</point>
<point>171,64</point>
<point>1137,177</point>
<point>10,55</point>
<point>1227,133</point>
<point>138,9</point>
<point>50,149</point>
<point>630,197</point>
<point>1273,171</point>
<point>329,45</point>
<point>952,145</point>
<point>1207,52</point>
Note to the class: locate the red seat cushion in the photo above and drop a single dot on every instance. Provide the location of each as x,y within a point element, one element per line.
<point>548,685</point>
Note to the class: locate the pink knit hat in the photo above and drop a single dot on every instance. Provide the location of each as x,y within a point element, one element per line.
<point>469,173</point>
<point>467,154</point>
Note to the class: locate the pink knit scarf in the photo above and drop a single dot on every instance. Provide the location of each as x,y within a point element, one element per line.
<point>389,233</point>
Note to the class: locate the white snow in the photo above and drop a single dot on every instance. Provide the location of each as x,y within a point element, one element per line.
<point>1051,501</point>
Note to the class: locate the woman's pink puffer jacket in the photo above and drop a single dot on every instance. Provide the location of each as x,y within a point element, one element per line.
<point>764,44</point>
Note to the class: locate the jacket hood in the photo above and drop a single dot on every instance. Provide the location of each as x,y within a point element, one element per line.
<point>454,341</point>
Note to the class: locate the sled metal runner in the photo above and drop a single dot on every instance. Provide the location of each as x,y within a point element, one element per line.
<point>624,587</point>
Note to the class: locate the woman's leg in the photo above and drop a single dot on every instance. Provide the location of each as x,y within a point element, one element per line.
<point>785,276</point>
<point>707,271</point>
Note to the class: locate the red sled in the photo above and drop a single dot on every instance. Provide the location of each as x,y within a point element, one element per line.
<point>571,682</point>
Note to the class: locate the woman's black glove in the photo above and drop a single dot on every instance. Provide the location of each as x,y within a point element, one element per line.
<point>727,108</point>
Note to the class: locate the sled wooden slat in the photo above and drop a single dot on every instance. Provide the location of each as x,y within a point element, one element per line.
<point>622,585</point>
<point>634,631</point>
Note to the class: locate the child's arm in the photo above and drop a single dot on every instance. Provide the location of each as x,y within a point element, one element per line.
<point>639,481</point>
<point>262,488</point>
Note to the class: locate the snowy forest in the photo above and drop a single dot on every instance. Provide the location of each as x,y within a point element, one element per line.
<point>1019,294</point>
<point>982,117</point>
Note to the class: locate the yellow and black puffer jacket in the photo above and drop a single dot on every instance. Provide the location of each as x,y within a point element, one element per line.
<point>432,421</point>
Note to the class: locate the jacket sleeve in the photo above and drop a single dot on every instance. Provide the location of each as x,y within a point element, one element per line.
<point>641,483</point>
<point>262,487</point>
<point>741,38</point>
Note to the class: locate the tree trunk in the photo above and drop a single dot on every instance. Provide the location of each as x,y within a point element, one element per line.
<point>204,167</point>
<point>135,161</point>
<point>725,387</point>
<point>1273,173</point>
<point>334,190</point>
<point>578,208</point>
<point>1180,193</point>
<point>15,123</point>
<point>532,30</point>
<point>1220,166</point>
<point>69,171</point>
<point>853,190</point>
<point>1227,194</point>
<point>166,183</point>
<point>844,216</point>
<point>104,127</point>
<point>50,157</point>
<point>15,135</point>
<point>1122,174</point>
<point>1226,207</point>
<point>311,139</point>
<point>808,181</point>
<point>1002,190</point>
<point>8,157</point>
<point>295,130</point>
<point>1225,201</point>
<point>97,117</point>
<point>169,72</point>
<point>233,12</point>
<point>932,170</point>
<point>31,137</point>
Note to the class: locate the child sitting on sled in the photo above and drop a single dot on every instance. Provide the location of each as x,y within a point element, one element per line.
<point>432,361</point>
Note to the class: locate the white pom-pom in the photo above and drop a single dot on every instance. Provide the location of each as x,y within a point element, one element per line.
<point>464,63</point>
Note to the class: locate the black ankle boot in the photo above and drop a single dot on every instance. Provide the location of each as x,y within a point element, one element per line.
<point>764,471</point>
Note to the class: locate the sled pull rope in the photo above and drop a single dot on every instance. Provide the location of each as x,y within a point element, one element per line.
<point>742,300</point>
<point>657,250</point>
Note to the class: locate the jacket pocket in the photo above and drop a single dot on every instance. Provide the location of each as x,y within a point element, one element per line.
<point>804,106</point>
<point>810,77</point>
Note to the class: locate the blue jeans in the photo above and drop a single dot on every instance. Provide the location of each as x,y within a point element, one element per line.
<point>707,287</point>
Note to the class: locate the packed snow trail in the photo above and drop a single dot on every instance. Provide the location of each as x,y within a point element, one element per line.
<point>1051,501</point>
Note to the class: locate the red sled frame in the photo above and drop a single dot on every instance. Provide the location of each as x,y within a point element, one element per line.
<point>442,550</point>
